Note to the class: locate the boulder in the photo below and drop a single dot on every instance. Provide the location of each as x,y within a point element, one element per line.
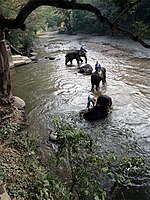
<point>20,60</point>
<point>53,135</point>
<point>3,193</point>
<point>18,102</point>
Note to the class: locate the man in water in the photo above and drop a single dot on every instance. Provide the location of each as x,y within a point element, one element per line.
<point>91,100</point>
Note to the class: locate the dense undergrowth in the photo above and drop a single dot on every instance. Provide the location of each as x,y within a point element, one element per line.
<point>91,176</point>
<point>20,168</point>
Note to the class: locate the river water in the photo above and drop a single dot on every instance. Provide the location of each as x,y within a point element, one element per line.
<point>50,88</point>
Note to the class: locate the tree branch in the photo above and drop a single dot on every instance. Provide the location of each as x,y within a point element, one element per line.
<point>18,22</point>
<point>131,5</point>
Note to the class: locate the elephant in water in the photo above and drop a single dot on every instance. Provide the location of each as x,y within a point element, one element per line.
<point>99,111</point>
<point>75,55</point>
<point>86,69</point>
<point>97,77</point>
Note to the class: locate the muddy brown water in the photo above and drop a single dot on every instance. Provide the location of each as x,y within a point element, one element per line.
<point>50,88</point>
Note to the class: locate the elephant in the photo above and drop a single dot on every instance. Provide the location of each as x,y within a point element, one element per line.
<point>99,111</point>
<point>97,77</point>
<point>86,69</point>
<point>75,55</point>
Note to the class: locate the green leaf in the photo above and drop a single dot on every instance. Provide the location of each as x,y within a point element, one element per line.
<point>96,197</point>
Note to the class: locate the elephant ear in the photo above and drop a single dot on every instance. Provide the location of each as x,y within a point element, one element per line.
<point>104,100</point>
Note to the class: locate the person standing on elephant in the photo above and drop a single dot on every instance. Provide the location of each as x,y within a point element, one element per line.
<point>97,67</point>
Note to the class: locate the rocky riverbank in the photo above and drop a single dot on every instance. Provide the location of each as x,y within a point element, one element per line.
<point>14,114</point>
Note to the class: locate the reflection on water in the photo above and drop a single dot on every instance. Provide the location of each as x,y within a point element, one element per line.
<point>50,88</point>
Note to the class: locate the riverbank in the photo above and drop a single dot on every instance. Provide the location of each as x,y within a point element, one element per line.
<point>22,174</point>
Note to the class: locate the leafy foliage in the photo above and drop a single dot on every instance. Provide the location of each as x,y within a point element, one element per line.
<point>75,21</point>
<point>141,29</point>
<point>88,169</point>
<point>21,170</point>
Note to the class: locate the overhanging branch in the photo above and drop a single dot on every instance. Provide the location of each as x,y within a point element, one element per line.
<point>131,5</point>
<point>18,22</point>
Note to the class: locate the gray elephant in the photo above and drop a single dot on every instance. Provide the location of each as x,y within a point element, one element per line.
<point>99,111</point>
<point>96,78</point>
<point>86,69</point>
<point>75,55</point>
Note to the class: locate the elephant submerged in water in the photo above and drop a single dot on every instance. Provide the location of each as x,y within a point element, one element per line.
<point>75,55</point>
<point>99,111</point>
<point>96,78</point>
<point>86,69</point>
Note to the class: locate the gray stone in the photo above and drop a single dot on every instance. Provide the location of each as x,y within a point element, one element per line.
<point>19,103</point>
<point>53,135</point>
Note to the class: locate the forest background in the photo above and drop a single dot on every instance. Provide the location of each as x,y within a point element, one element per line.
<point>136,20</point>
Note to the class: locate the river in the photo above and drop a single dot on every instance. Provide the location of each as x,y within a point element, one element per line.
<point>50,88</point>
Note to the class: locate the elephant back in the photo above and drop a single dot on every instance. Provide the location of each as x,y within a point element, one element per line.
<point>72,53</point>
<point>95,77</point>
<point>86,69</point>
<point>81,53</point>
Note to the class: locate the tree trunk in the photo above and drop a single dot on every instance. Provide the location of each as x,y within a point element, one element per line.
<point>5,82</point>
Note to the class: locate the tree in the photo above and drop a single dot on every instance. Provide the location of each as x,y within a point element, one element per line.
<point>26,9</point>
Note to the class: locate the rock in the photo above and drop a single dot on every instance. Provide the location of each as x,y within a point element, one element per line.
<point>34,59</point>
<point>18,102</point>
<point>49,58</point>
<point>53,135</point>
<point>3,193</point>
<point>20,60</point>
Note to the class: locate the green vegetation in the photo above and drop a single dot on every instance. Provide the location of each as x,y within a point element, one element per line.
<point>86,170</point>
<point>20,168</point>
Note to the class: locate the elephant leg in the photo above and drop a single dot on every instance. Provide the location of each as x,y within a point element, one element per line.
<point>85,59</point>
<point>103,81</point>
<point>66,61</point>
<point>77,60</point>
<point>103,76</point>
<point>77,57</point>
<point>92,87</point>
<point>97,86</point>
<point>80,59</point>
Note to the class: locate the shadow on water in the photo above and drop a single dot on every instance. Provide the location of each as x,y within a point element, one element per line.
<point>50,88</point>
